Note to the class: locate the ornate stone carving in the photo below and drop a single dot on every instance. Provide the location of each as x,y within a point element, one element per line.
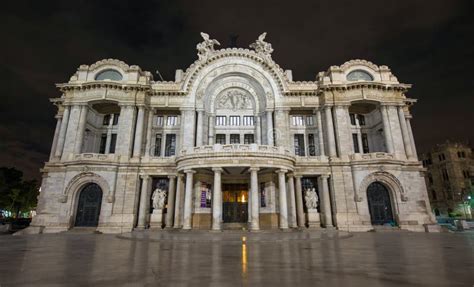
<point>261,47</point>
<point>311,198</point>
<point>206,47</point>
<point>158,198</point>
<point>235,100</point>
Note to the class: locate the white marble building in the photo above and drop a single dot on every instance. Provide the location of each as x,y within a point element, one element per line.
<point>232,142</point>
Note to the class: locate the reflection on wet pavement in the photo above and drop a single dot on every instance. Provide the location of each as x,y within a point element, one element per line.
<point>365,259</point>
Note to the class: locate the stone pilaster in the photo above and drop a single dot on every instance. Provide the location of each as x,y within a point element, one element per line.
<point>71,133</point>
<point>81,129</point>
<point>343,134</point>
<point>320,132</point>
<point>282,123</point>
<point>270,131</point>
<point>137,146</point>
<point>56,137</point>
<point>200,128</point>
<point>406,136</point>
<point>212,122</point>
<point>330,132</point>
<point>149,128</point>
<point>386,129</point>
<point>187,127</point>
<point>125,130</point>
<point>258,130</point>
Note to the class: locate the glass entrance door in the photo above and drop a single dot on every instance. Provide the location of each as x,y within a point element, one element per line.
<point>235,203</point>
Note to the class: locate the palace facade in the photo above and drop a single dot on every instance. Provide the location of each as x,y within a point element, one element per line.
<point>232,142</point>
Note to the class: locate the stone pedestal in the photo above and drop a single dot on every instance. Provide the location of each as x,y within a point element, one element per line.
<point>314,220</point>
<point>156,219</point>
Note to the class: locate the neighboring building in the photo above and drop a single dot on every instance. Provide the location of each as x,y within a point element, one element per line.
<point>233,142</point>
<point>450,179</point>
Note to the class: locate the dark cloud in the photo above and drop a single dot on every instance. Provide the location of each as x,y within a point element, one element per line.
<point>425,43</point>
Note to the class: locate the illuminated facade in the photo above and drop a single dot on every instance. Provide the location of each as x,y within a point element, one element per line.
<point>233,142</point>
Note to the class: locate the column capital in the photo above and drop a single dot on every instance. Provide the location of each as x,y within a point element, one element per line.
<point>282,109</point>
<point>282,171</point>
<point>217,169</point>
<point>324,176</point>
<point>145,176</point>
<point>254,168</point>
<point>172,176</point>
<point>298,176</point>
<point>290,175</point>
<point>187,171</point>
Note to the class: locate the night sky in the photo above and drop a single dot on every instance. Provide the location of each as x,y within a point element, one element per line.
<point>425,43</point>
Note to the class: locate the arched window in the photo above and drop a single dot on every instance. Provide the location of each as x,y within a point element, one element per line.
<point>110,74</point>
<point>359,75</point>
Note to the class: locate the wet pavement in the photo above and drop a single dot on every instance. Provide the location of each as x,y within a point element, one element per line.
<point>238,259</point>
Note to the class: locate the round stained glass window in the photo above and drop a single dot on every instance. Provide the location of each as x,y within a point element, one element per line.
<point>112,75</point>
<point>359,75</point>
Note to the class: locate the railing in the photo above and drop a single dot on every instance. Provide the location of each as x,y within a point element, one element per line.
<point>236,148</point>
<point>96,156</point>
<point>371,156</point>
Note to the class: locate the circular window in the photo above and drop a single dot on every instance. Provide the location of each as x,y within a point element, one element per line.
<point>359,75</point>
<point>112,75</point>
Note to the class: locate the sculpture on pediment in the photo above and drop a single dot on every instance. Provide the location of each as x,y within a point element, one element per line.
<point>158,198</point>
<point>311,198</point>
<point>234,100</point>
<point>206,47</point>
<point>261,47</point>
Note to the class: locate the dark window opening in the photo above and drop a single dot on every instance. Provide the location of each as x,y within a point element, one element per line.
<point>170,145</point>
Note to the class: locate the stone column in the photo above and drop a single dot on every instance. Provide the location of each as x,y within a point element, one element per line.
<point>137,146</point>
<point>125,130</point>
<point>56,136</point>
<point>81,129</point>
<point>187,127</point>
<point>325,201</point>
<point>188,199</point>
<point>109,134</point>
<point>359,135</point>
<point>330,132</point>
<point>144,208</point>
<point>62,131</point>
<point>320,133</point>
<point>386,129</point>
<point>199,128</point>
<point>299,203</point>
<point>282,127</point>
<point>149,128</point>
<point>270,130</point>
<point>282,197</point>
<point>212,121</point>
<point>405,134</point>
<point>255,215</point>
<point>170,205</point>
<point>217,200</point>
<point>412,139</point>
<point>291,187</point>
<point>258,130</point>
<point>178,199</point>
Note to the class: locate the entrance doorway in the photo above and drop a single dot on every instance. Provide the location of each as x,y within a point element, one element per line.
<point>380,206</point>
<point>235,203</point>
<point>88,207</point>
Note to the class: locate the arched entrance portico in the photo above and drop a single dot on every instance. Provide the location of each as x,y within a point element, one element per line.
<point>380,206</point>
<point>88,206</point>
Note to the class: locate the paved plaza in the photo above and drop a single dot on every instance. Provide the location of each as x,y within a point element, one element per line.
<point>238,259</point>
